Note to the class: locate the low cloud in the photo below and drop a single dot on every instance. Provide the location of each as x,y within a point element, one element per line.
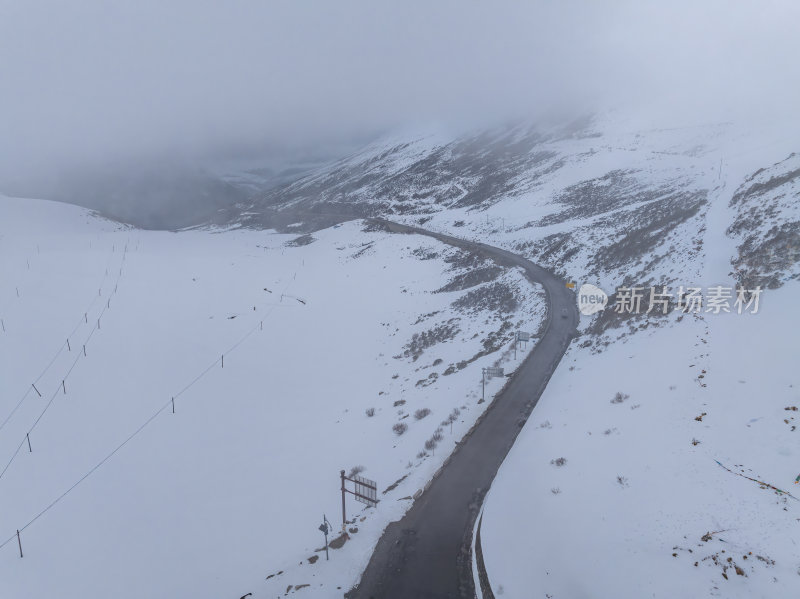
<point>87,82</point>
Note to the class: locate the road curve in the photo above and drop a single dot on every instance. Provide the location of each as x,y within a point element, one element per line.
<point>427,554</point>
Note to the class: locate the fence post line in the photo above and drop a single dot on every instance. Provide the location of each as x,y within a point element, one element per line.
<point>173,405</point>
<point>19,542</point>
<point>64,386</point>
<point>35,389</point>
<point>28,437</point>
<point>84,351</point>
<point>68,347</point>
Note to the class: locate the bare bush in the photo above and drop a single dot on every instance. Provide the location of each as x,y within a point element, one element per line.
<point>421,455</point>
<point>430,445</point>
<point>558,462</point>
<point>545,424</point>
<point>555,490</point>
<point>622,481</point>
<point>400,428</point>
<point>421,413</point>
<point>620,397</point>
<point>370,412</point>
<point>399,402</point>
<point>452,417</point>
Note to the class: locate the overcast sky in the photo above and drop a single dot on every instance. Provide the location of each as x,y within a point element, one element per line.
<point>85,80</point>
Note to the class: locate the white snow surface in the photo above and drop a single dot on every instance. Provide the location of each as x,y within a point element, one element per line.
<point>231,489</point>
<point>579,531</point>
<point>211,500</point>
<point>624,516</point>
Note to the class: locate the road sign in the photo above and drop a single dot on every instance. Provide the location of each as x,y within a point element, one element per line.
<point>325,529</point>
<point>366,490</point>
<point>522,336</point>
<point>494,371</point>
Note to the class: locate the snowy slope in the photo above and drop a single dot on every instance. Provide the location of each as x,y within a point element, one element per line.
<point>641,486</point>
<point>211,500</point>
<point>768,248</point>
<point>612,204</point>
<point>627,514</point>
<point>230,490</point>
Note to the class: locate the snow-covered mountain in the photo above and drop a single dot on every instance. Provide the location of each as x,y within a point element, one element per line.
<point>599,199</point>
<point>765,227</point>
<point>345,346</point>
<point>644,476</point>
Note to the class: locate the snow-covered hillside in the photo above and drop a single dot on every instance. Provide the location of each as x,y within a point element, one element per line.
<point>364,331</point>
<point>607,203</point>
<point>289,358</point>
<point>639,506</point>
<point>601,199</point>
<point>645,406</point>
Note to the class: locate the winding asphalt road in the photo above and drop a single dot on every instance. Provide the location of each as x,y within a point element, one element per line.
<point>427,554</point>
